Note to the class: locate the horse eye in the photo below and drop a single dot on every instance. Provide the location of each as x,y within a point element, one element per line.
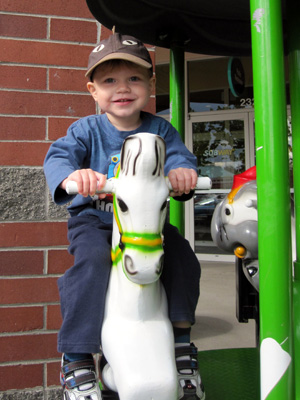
<point>164,205</point>
<point>122,205</point>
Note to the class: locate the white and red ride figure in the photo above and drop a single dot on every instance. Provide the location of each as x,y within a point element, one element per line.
<point>234,224</point>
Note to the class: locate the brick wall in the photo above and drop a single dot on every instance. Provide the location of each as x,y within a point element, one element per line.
<point>44,48</point>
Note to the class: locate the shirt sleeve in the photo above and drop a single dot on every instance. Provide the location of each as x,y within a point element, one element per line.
<point>65,156</point>
<point>177,154</point>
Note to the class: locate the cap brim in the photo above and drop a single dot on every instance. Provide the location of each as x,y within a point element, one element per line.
<point>120,56</point>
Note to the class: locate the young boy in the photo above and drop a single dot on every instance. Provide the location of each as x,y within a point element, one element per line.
<point>121,81</point>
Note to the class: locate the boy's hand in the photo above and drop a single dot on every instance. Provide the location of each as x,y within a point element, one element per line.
<point>88,181</point>
<point>183,180</point>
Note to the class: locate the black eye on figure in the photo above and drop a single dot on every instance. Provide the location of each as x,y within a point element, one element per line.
<point>122,205</point>
<point>227,211</point>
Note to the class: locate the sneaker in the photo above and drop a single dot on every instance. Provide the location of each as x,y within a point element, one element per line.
<point>190,384</point>
<point>79,380</point>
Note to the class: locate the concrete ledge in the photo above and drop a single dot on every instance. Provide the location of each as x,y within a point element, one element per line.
<point>39,394</point>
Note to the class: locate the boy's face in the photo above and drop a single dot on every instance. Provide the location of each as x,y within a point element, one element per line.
<point>122,92</point>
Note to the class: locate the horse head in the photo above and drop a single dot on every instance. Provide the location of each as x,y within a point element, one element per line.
<point>140,200</point>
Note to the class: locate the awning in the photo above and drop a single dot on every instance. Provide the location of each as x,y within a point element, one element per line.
<point>214,27</point>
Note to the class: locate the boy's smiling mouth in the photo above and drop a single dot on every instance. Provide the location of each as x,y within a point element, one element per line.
<point>123,101</point>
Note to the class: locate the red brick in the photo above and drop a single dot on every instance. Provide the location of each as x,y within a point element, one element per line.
<point>24,291</point>
<point>54,319</point>
<point>73,30</point>
<point>59,261</point>
<point>28,347</point>
<point>21,263</point>
<point>68,80</point>
<point>21,376</point>
<point>23,26</point>
<point>21,319</point>
<point>17,77</point>
<point>34,234</point>
<point>44,53</point>
<point>74,8</point>
<point>53,370</point>
<point>22,128</point>
<point>105,33</point>
<point>58,127</point>
<point>30,103</point>
<point>23,153</point>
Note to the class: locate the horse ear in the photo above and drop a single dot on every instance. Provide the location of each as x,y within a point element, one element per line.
<point>160,152</point>
<point>124,151</point>
<point>162,145</point>
<point>131,150</point>
<point>161,142</point>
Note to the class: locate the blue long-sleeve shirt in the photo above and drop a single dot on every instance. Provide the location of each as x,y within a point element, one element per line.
<point>93,142</point>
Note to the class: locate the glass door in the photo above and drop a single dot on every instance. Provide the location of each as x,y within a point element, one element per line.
<point>221,142</point>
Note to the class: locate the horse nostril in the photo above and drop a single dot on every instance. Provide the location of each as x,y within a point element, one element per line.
<point>129,265</point>
<point>160,265</point>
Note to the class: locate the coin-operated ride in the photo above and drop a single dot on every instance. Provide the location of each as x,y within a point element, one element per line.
<point>234,224</point>
<point>137,335</point>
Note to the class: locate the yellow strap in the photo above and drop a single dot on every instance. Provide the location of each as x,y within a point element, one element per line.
<point>140,241</point>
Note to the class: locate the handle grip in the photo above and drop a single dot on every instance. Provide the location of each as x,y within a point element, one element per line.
<point>203,183</point>
<point>72,189</point>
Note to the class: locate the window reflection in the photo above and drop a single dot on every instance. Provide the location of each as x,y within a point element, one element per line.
<point>220,150</point>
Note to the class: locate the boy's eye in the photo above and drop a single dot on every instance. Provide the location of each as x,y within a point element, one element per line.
<point>109,80</point>
<point>134,79</point>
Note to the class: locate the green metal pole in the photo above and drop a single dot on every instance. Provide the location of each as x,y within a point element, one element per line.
<point>294,75</point>
<point>294,71</point>
<point>274,226</point>
<point>177,120</point>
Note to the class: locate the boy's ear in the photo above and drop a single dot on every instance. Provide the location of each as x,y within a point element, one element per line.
<point>152,83</point>
<point>92,90</point>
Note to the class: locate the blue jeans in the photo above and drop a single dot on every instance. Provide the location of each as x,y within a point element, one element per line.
<point>83,287</point>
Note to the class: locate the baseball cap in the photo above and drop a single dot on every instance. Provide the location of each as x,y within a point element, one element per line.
<point>122,47</point>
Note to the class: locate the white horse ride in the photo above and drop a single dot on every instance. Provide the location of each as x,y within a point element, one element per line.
<point>137,335</point>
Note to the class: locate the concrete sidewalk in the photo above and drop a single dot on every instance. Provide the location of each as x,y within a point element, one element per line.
<point>216,324</point>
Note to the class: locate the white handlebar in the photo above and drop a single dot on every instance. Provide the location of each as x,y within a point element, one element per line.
<point>203,183</point>
<point>72,189</point>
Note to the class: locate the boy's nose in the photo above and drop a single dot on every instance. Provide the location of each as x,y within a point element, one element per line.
<point>123,87</point>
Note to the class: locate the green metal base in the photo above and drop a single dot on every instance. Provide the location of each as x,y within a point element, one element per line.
<point>230,374</point>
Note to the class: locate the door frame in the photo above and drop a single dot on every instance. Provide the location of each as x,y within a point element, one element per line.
<point>247,114</point>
